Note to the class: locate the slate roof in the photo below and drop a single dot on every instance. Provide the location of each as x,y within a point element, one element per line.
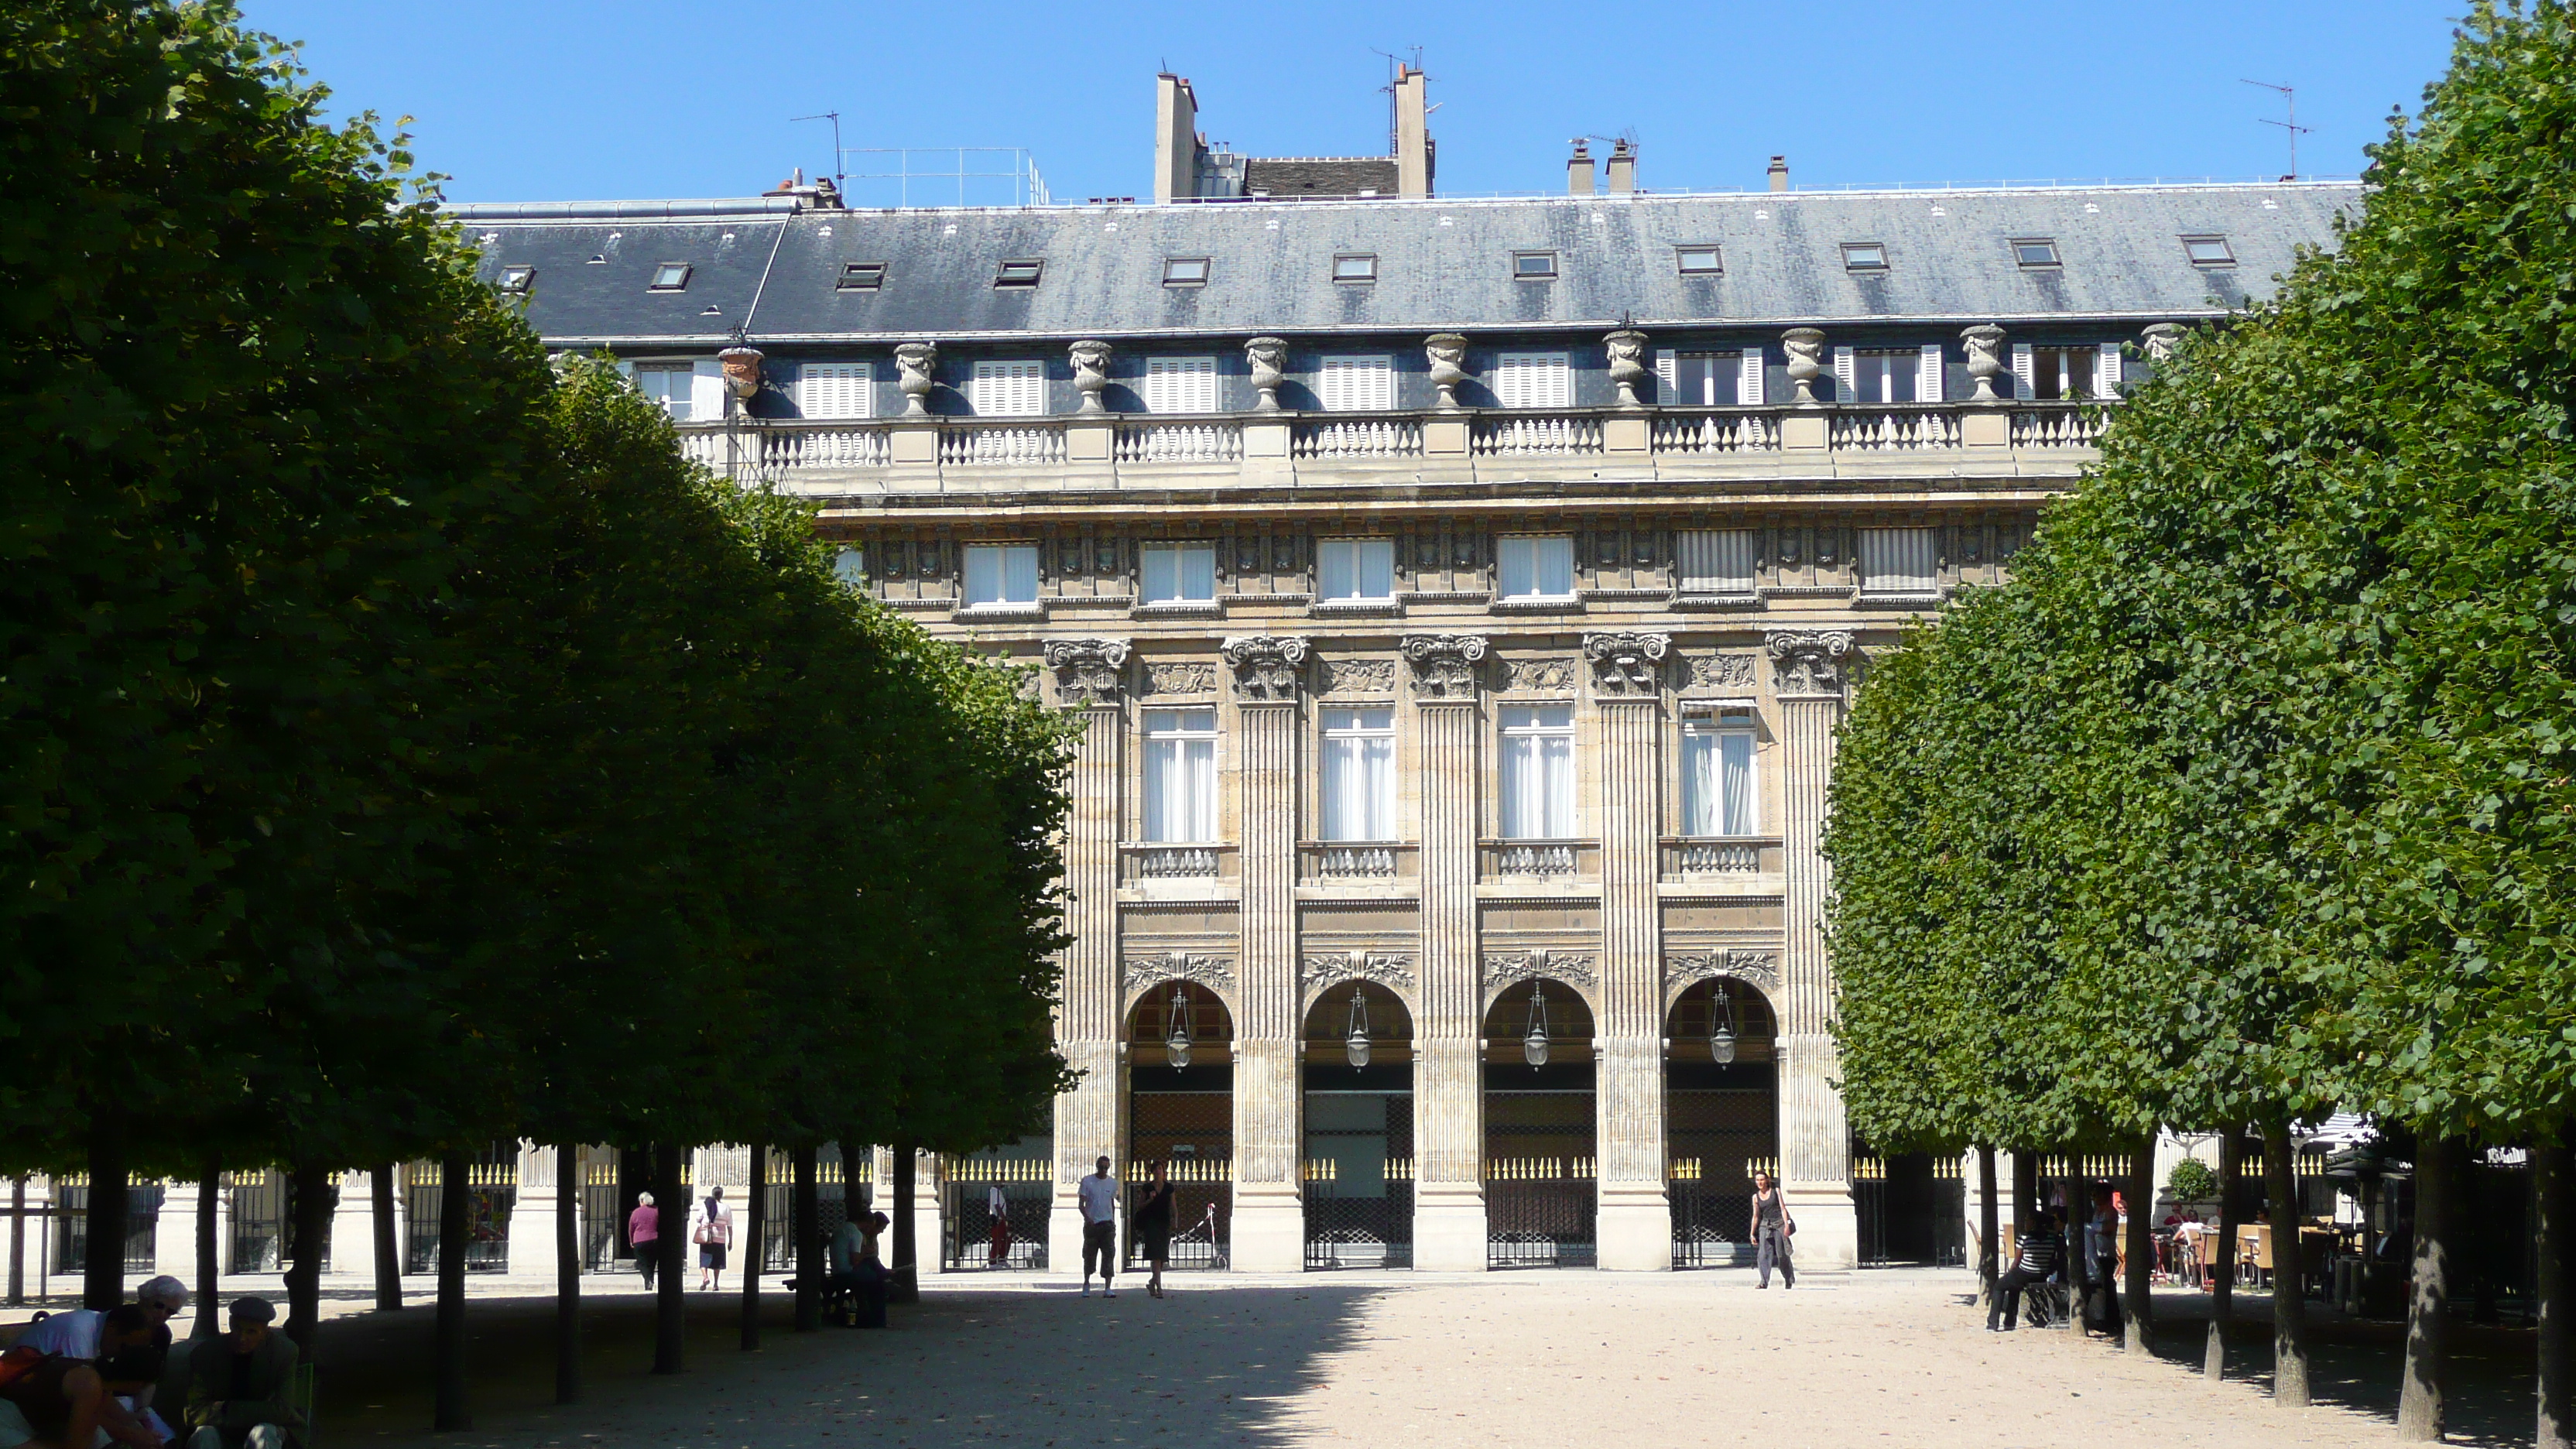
<point>1320,176</point>
<point>1442,264</point>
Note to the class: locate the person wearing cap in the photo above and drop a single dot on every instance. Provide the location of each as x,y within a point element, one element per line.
<point>240,1399</point>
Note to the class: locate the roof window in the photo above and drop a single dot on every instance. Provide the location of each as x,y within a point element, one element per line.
<point>2208,251</point>
<point>1355,267</point>
<point>671,277</point>
<point>1185,271</point>
<point>1864,256</point>
<point>1534,266</point>
<point>1699,261</point>
<point>2035,251</point>
<point>1020,272</point>
<point>860,277</point>
<point>518,280</point>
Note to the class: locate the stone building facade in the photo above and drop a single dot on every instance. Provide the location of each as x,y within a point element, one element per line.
<point>1460,597</point>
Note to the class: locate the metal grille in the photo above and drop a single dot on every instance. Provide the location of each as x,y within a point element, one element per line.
<point>259,1220</point>
<point>142,1220</point>
<point>1027,1185</point>
<point>1541,1200</point>
<point>1194,1132</point>
<point>1719,1137</point>
<point>492,1185</point>
<point>835,1188</point>
<point>1359,1180</point>
<point>1912,1208</point>
<point>606,1198</point>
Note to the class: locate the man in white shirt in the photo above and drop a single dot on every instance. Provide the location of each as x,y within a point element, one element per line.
<point>1099,1195</point>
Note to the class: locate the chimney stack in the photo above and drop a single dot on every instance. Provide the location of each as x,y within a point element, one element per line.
<point>1176,139</point>
<point>1779,173</point>
<point>1414,156</point>
<point>1623,168</point>
<point>1578,171</point>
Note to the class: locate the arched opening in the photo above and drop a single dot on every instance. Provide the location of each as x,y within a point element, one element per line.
<point>1721,1117</point>
<point>1541,1178</point>
<point>1357,1074</point>
<point>1180,1111</point>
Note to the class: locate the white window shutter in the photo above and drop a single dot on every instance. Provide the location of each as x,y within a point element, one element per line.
<point>1668,376</point>
<point>1928,382</point>
<point>706,390</point>
<point>1748,386</point>
<point>2106,376</point>
<point>2023,370</point>
<point>1180,385</point>
<point>1844,391</point>
<point>836,390</point>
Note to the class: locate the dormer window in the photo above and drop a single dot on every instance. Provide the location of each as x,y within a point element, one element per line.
<point>1021,272</point>
<point>671,277</point>
<point>1699,261</point>
<point>2208,251</point>
<point>1534,266</point>
<point>518,280</point>
<point>1185,271</point>
<point>860,277</point>
<point>2038,251</point>
<point>1355,267</point>
<point>1864,256</point>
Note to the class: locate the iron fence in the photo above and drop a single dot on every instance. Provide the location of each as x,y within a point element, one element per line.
<point>836,1185</point>
<point>142,1223</point>
<point>1712,1205</point>
<point>1541,1212</point>
<point>263,1213</point>
<point>1025,1187</point>
<point>1912,1208</point>
<point>1202,1212</point>
<point>1722,1126</point>
<point>492,1188</point>
<point>1361,1224</point>
<point>1193,1131</point>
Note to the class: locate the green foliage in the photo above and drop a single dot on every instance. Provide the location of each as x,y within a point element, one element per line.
<point>2191,1180</point>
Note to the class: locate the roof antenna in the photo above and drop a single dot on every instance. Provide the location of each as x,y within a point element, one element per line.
<point>2290,98</point>
<point>838,181</point>
<point>1393,122</point>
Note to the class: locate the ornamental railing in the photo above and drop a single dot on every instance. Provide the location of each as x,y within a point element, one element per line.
<point>1358,438</point>
<point>1510,433</point>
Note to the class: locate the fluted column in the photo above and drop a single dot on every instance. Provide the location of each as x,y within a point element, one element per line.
<point>1636,1217</point>
<point>1449,1089</point>
<point>1269,1220</point>
<point>1815,1136</point>
<point>1088,673</point>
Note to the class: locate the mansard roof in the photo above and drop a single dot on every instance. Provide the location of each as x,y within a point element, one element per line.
<point>1442,264</point>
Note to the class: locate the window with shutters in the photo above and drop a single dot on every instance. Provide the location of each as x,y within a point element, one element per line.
<point>836,389</point>
<point>2061,373</point>
<point>1356,384</point>
<point>1879,374</point>
<point>1707,379</point>
<point>1008,389</point>
<point>1537,768</point>
<point>1534,566</point>
<point>1533,380</point>
<point>1348,570</point>
<point>1716,560</point>
<point>1359,774</point>
<point>1718,794</point>
<point>1180,385</point>
<point>668,385</point>
<point>1899,560</point>
<point>1001,573</point>
<point>1180,776</point>
<point>1176,573</point>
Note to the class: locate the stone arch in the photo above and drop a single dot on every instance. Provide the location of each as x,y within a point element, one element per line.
<point>1147,1022</point>
<point>1569,971</point>
<point>1140,976</point>
<point>1319,973</point>
<point>1758,970</point>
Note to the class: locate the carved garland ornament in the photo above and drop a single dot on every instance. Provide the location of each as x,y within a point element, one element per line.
<point>1539,676</point>
<point>1444,665</point>
<point>1386,968</point>
<point>1810,663</point>
<point>1760,968</point>
<point>1210,971</point>
<point>1624,664</point>
<point>1359,676</point>
<point>1507,967</point>
<point>1087,671</point>
<point>1189,677</point>
<point>1720,671</point>
<point>1266,666</point>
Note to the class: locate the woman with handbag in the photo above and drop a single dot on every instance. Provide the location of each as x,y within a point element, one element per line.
<point>713,1235</point>
<point>1772,1230</point>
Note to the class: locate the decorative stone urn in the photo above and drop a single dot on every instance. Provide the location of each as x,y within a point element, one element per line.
<point>1269,359</point>
<point>741,371</point>
<point>1985,358</point>
<point>1090,372</point>
<point>917,362</point>
<point>1627,349</point>
<point>2162,340</point>
<point>1806,348</point>
<point>1448,354</point>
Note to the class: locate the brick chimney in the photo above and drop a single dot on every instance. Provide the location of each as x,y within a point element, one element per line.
<point>1414,151</point>
<point>1578,171</point>
<point>1779,173</point>
<point>1176,138</point>
<point>1623,168</point>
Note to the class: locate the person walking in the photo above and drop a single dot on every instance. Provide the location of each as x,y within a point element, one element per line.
<point>1153,1224</point>
<point>643,1230</point>
<point>1772,1230</point>
<point>1099,1197</point>
<point>2040,1250</point>
<point>713,1234</point>
<point>999,1207</point>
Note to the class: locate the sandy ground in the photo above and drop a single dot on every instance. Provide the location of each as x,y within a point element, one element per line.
<point>1506,1359</point>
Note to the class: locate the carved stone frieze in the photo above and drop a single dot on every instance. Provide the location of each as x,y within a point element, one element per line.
<point>1760,968</point>
<point>1444,665</point>
<point>1359,676</point>
<point>1712,673</point>
<point>1627,664</point>
<point>1266,666</point>
<point>1810,662</point>
<point>1188,676</point>
<point>1505,967</point>
<point>1087,671</point>
<point>1539,676</point>
<point>1326,968</point>
<point>1212,971</point>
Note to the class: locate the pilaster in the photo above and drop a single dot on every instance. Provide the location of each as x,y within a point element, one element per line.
<point>1088,674</point>
<point>174,1242</point>
<point>1815,1135</point>
<point>1268,1227</point>
<point>1449,1093</point>
<point>1635,1232</point>
<point>541,1195</point>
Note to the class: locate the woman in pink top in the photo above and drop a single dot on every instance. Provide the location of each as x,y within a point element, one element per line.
<point>644,1230</point>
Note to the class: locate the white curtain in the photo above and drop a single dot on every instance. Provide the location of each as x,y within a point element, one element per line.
<point>1717,780</point>
<point>1536,566</point>
<point>1002,573</point>
<point>1355,568</point>
<point>1359,773</point>
<point>1177,571</point>
<point>1538,773</point>
<point>1180,775</point>
<point>1717,561</point>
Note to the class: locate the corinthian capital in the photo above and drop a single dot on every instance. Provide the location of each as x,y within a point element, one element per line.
<point>1266,666</point>
<point>1624,664</point>
<point>1087,671</point>
<point>1810,662</point>
<point>1444,665</point>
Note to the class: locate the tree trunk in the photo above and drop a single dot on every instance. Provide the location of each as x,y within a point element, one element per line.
<point>313,1203</point>
<point>568,1201</point>
<point>904,1285</point>
<point>2079,1256</point>
<point>2140,1247</point>
<point>755,1245</point>
<point>2428,1298</point>
<point>210,1196</point>
<point>2222,1265</point>
<point>2550,1163</point>
<point>455,1234</point>
<point>103,1260</point>
<point>2289,1292</point>
<point>1989,1223</point>
<point>805,1215</point>
<point>671,1308</point>
<point>388,1246</point>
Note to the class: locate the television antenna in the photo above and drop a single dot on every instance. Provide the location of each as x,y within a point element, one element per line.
<point>2290,98</point>
<point>835,118</point>
<point>1393,123</point>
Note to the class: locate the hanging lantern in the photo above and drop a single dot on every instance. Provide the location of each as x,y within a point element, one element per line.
<point>1534,1044</point>
<point>1721,1034</point>
<point>1176,1047</point>
<point>1356,1043</point>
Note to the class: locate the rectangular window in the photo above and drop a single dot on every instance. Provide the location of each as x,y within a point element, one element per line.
<point>1355,267</point>
<point>2063,373</point>
<point>668,385</point>
<point>1716,561</point>
<point>1176,573</point>
<point>1538,772</point>
<point>1879,375</point>
<point>1535,566</point>
<point>1185,271</point>
<point>1708,379</point>
<point>836,389</point>
<point>1699,261</point>
<point>1356,384</point>
<point>518,280</point>
<point>1899,560</point>
<point>1718,797</point>
<point>1001,573</point>
<point>1864,256</point>
<point>861,276</point>
<point>670,277</point>
<point>1534,266</point>
<point>2208,251</point>
<point>1008,390</point>
<point>1354,568</point>
<point>1180,385</point>
<point>1533,380</point>
<point>1359,774</point>
<point>1019,273</point>
<point>1180,776</point>
<point>850,565</point>
<point>2035,252</point>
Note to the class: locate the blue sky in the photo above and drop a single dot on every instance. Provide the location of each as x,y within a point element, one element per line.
<point>582,99</point>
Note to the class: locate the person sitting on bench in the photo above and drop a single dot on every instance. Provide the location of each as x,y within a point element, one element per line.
<point>2041,1248</point>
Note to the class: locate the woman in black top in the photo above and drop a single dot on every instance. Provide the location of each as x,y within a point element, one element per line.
<point>1153,1222</point>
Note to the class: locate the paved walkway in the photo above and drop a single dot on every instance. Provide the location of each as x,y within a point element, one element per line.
<point>1532,1358</point>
